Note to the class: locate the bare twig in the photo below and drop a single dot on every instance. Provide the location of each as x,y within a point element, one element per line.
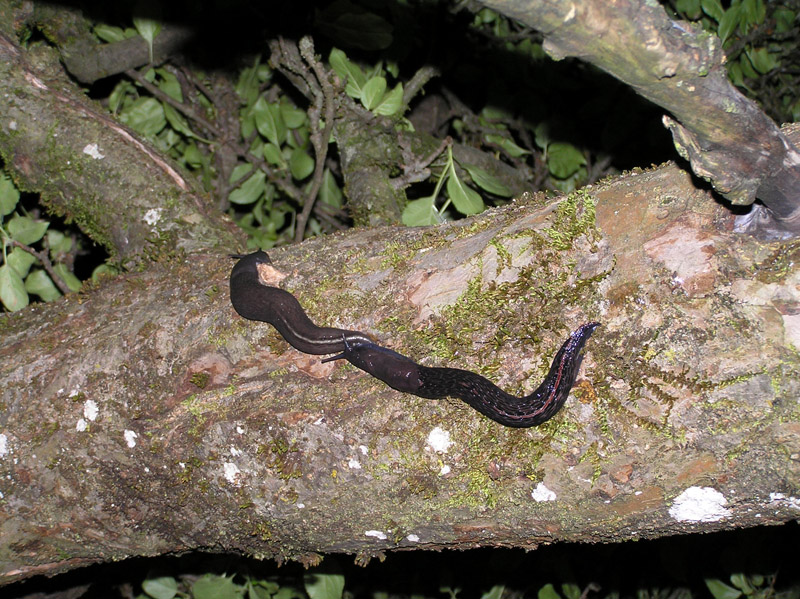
<point>417,170</point>
<point>415,84</point>
<point>44,258</point>
<point>323,100</point>
<point>179,106</point>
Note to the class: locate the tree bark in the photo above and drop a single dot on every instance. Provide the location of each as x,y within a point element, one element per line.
<point>135,424</point>
<point>143,416</point>
<point>92,169</point>
<point>727,138</point>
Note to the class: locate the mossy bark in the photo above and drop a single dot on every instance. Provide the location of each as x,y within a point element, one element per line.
<point>135,424</point>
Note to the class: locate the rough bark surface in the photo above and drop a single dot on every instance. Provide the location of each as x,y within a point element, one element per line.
<point>726,137</point>
<point>57,142</point>
<point>145,417</point>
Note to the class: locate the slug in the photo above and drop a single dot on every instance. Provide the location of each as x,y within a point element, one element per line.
<point>273,305</point>
<point>255,301</point>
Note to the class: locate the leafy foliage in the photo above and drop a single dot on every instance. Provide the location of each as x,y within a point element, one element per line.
<point>27,240</point>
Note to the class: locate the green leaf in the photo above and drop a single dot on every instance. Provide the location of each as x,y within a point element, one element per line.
<point>346,69</point>
<point>372,92</point>
<point>292,115</point>
<point>58,242</point>
<point>564,159</point>
<point>109,33</point>
<point>193,156</point>
<point>320,585</point>
<point>269,121</point>
<point>741,582</point>
<point>762,60</point>
<point>571,590</point>
<point>103,270</point>
<point>249,191</point>
<point>39,283</point>
<point>145,115</point>
<point>713,8</point>
<point>487,181</point>
<point>21,261</point>
<point>496,592</point>
<point>240,171</point>
<point>747,67</point>
<point>169,84</point>
<point>690,8</point>
<point>391,103</point>
<point>421,213</point>
<point>301,164</point>
<point>508,145</point>
<point>728,23</point>
<point>720,590</point>
<point>146,14</point>
<point>329,192</point>
<point>26,230</point>
<point>9,195</point>
<point>466,201</point>
<point>165,587</point>
<point>548,592</point>
<point>250,79</point>
<point>70,279</point>
<point>274,155</point>
<point>176,121</point>
<point>12,289</point>
<point>211,586</point>
<point>753,13</point>
<point>119,95</point>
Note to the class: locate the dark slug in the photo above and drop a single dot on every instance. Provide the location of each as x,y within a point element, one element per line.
<point>255,301</point>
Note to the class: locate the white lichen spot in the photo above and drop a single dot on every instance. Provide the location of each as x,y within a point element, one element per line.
<point>364,449</point>
<point>4,451</point>
<point>90,410</point>
<point>130,438</point>
<point>542,493</point>
<point>232,473</point>
<point>152,216</point>
<point>412,538</point>
<point>81,425</point>
<point>376,534</point>
<point>439,440</point>
<point>354,464</point>
<point>235,452</point>
<point>781,499</point>
<point>93,150</point>
<point>699,504</point>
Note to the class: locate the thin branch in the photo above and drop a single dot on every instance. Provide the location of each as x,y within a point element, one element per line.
<point>179,106</point>
<point>44,258</point>
<point>415,84</point>
<point>415,171</point>
<point>319,139</point>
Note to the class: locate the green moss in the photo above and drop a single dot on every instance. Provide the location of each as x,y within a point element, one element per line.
<point>200,379</point>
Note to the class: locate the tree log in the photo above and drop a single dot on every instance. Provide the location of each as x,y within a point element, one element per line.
<point>145,417</point>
